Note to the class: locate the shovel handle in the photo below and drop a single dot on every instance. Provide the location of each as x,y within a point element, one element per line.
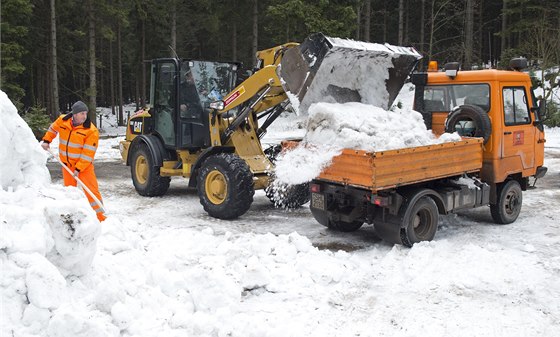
<point>82,185</point>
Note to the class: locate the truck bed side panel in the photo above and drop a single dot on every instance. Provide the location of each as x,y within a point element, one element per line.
<point>388,169</point>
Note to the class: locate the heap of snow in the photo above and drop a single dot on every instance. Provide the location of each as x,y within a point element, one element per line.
<point>333,127</point>
<point>354,71</point>
<point>48,232</point>
<point>22,163</point>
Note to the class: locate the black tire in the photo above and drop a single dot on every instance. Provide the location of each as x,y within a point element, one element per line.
<point>510,200</point>
<point>482,124</point>
<point>281,195</point>
<point>345,226</point>
<point>420,221</point>
<point>225,186</point>
<point>145,175</point>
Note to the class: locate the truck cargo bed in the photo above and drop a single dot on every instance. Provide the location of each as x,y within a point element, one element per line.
<point>388,169</point>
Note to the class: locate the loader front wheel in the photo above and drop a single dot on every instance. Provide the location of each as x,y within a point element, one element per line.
<point>225,186</point>
<point>145,176</point>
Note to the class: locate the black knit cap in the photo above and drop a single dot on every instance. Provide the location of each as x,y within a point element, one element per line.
<point>79,106</point>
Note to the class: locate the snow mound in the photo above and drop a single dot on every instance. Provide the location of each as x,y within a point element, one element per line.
<point>23,160</point>
<point>49,232</point>
<point>332,127</point>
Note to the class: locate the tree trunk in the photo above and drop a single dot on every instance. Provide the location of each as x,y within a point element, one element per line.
<point>401,22</point>
<point>54,69</point>
<point>480,31</point>
<point>422,25</point>
<point>358,17</point>
<point>138,103</point>
<point>432,24</point>
<point>255,45</point>
<point>504,27</point>
<point>174,29</point>
<point>119,73</point>
<point>112,80</point>
<point>406,38</point>
<point>384,21</point>
<point>143,98</point>
<point>92,80</point>
<point>469,24</point>
<point>234,41</point>
<point>367,36</point>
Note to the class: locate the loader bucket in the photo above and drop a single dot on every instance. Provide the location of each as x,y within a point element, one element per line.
<point>333,70</point>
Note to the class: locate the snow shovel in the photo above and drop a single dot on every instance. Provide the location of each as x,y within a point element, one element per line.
<point>334,70</point>
<point>82,185</point>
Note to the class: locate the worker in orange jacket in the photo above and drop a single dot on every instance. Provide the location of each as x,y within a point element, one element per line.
<point>78,142</point>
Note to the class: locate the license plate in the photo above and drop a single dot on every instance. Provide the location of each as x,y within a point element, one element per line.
<point>318,201</point>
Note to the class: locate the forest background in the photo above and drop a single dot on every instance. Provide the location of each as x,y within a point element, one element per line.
<point>54,53</point>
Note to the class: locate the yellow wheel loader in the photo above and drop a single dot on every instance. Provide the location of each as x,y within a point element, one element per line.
<point>201,126</point>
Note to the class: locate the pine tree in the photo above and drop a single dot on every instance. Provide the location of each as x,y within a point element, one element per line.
<point>14,22</point>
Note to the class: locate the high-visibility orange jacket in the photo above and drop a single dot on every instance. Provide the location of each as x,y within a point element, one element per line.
<point>77,143</point>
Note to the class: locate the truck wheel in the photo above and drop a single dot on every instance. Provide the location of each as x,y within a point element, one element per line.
<point>420,221</point>
<point>145,175</point>
<point>510,199</point>
<point>281,195</point>
<point>345,226</point>
<point>225,186</point>
<point>470,121</point>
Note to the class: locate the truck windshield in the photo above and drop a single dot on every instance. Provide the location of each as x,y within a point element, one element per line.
<point>443,98</point>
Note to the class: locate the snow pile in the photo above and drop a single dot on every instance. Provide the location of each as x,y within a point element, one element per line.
<point>22,163</point>
<point>354,71</point>
<point>333,127</point>
<point>48,232</point>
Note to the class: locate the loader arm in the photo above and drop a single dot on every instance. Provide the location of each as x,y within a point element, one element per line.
<point>253,86</point>
<point>324,69</point>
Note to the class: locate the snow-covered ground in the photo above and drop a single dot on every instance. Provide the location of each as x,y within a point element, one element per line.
<point>163,267</point>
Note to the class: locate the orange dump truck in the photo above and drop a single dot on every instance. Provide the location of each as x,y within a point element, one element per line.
<point>402,192</point>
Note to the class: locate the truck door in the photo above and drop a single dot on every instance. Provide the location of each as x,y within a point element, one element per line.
<point>518,131</point>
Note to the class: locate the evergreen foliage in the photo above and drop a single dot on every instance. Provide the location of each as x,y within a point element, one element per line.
<point>38,120</point>
<point>14,22</point>
<point>223,30</point>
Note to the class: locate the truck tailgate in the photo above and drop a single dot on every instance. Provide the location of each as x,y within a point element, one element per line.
<point>388,169</point>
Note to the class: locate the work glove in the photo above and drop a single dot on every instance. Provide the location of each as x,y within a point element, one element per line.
<point>76,173</point>
<point>45,146</point>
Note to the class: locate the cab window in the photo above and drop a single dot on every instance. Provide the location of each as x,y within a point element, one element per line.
<point>516,110</point>
<point>446,97</point>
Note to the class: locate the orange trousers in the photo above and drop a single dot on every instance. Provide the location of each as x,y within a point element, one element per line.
<point>90,180</point>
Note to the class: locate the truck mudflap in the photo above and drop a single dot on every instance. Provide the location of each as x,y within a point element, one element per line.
<point>334,70</point>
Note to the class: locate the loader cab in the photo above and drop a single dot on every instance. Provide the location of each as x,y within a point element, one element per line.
<point>181,92</point>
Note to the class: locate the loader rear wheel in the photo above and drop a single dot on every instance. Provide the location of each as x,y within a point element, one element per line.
<point>344,226</point>
<point>225,186</point>
<point>420,221</point>
<point>282,195</point>
<point>145,176</point>
<point>471,121</point>
<point>510,199</point>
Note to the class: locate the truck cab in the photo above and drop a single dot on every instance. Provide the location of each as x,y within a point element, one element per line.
<point>499,106</point>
